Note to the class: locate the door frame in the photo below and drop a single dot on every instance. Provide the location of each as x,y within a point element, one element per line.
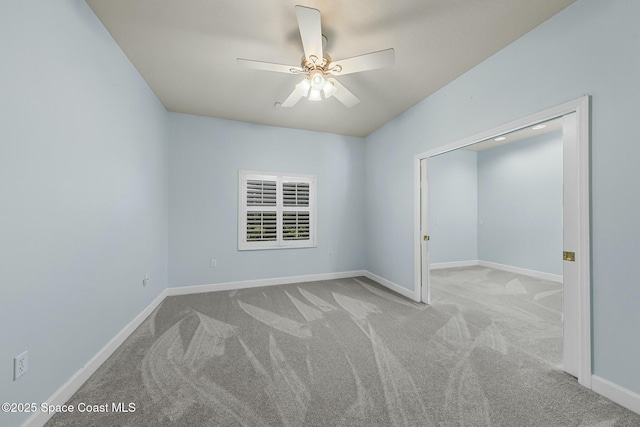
<point>581,107</point>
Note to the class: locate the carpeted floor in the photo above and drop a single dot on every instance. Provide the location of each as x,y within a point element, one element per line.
<point>527,311</point>
<point>350,353</point>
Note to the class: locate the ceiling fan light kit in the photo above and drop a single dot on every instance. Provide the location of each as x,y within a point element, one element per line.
<point>319,69</point>
<point>303,87</point>
<point>313,84</point>
<point>329,89</point>
<point>317,79</point>
<point>314,95</point>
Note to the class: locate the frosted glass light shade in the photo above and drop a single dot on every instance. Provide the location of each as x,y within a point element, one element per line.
<point>303,87</point>
<point>314,95</point>
<point>329,89</point>
<point>317,80</point>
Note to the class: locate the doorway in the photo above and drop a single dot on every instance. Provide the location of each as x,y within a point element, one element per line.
<point>575,224</point>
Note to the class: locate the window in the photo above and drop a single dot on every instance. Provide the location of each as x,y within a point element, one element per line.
<point>276,210</point>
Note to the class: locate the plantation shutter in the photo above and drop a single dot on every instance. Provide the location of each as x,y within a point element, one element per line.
<point>262,218</point>
<point>261,193</point>
<point>295,215</point>
<point>276,211</point>
<point>295,225</point>
<point>295,193</point>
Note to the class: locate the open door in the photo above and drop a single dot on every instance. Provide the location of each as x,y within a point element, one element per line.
<point>570,238</point>
<point>424,232</point>
<point>576,248</point>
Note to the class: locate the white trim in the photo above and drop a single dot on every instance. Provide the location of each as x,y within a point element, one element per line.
<point>616,393</point>
<point>417,231</point>
<point>577,105</point>
<point>581,107</point>
<point>525,272</point>
<point>454,264</point>
<point>582,112</point>
<point>393,286</point>
<point>64,393</point>
<point>612,391</point>
<point>279,208</point>
<point>67,390</point>
<point>425,260</point>
<point>246,284</point>
<point>510,268</point>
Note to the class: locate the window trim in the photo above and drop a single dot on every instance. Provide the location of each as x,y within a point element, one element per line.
<point>279,178</point>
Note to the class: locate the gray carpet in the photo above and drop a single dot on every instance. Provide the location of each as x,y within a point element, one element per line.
<point>350,353</point>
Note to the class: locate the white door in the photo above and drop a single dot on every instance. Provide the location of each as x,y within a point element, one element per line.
<point>424,232</point>
<point>571,239</point>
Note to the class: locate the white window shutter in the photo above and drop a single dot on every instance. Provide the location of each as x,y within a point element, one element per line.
<point>276,210</point>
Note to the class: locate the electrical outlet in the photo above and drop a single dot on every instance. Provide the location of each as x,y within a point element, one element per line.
<point>214,263</point>
<point>20,365</point>
<point>146,279</point>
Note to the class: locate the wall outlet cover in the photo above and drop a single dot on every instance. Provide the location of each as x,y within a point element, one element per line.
<point>20,365</point>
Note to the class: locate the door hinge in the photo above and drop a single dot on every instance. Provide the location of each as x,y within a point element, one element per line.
<point>569,256</point>
<point>425,237</point>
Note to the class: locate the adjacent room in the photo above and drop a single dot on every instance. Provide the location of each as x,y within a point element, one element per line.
<point>495,214</point>
<point>276,213</point>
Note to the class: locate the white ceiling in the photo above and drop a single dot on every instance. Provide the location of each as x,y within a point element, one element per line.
<point>552,125</point>
<point>187,50</point>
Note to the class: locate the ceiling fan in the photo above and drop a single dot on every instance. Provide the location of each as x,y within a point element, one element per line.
<point>318,67</point>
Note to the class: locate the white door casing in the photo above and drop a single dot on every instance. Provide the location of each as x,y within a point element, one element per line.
<point>577,279</point>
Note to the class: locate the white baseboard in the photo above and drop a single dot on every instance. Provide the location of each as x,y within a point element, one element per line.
<point>64,393</point>
<point>616,393</point>
<point>393,286</point>
<point>186,290</point>
<point>245,284</point>
<point>454,264</point>
<point>518,270</point>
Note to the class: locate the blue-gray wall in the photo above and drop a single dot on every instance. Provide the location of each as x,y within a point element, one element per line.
<point>453,207</point>
<point>83,194</point>
<point>520,204</point>
<point>205,156</point>
<point>589,48</point>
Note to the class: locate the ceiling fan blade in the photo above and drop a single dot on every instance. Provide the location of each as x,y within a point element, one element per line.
<point>268,66</point>
<point>344,95</point>
<point>292,99</point>
<point>368,61</point>
<point>310,31</point>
